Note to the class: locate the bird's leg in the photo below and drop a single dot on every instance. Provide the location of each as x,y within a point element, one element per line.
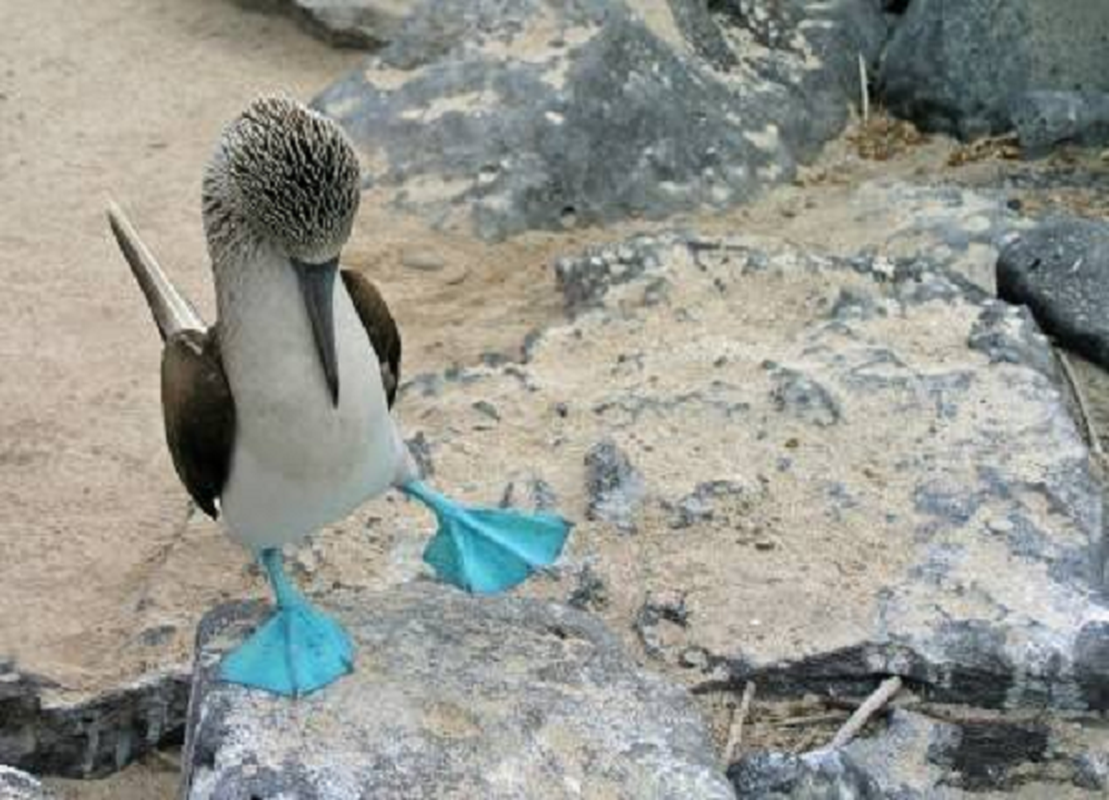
<point>297,650</point>
<point>487,550</point>
<point>285,594</point>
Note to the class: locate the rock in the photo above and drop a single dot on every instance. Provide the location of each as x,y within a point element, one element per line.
<point>960,228</point>
<point>615,487</point>
<point>453,696</point>
<point>945,527</point>
<point>701,504</point>
<point>1046,120</point>
<point>43,733</point>
<point>422,259</point>
<point>364,24</point>
<point>16,785</point>
<point>963,68</point>
<point>915,757</point>
<point>822,775</point>
<point>1060,270</point>
<point>806,399</point>
<point>536,114</point>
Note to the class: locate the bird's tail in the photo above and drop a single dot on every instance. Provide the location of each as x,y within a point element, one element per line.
<point>172,312</point>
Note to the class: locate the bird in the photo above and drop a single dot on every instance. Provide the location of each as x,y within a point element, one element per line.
<point>278,417</point>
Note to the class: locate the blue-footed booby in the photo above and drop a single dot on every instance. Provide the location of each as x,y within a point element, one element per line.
<point>278,417</point>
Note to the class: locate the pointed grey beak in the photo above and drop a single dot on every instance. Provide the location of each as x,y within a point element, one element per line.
<point>317,281</point>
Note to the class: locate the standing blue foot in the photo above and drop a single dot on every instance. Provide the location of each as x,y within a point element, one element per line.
<point>296,651</point>
<point>488,550</point>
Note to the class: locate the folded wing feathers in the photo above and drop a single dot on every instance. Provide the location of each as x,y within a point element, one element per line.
<point>172,312</point>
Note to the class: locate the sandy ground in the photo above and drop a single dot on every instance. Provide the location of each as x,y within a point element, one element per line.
<point>126,98</point>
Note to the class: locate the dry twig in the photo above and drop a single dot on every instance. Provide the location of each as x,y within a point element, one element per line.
<point>882,695</point>
<point>864,85</point>
<point>1092,439</point>
<point>735,730</point>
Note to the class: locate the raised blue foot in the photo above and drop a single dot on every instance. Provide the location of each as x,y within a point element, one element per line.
<point>488,550</point>
<point>296,651</point>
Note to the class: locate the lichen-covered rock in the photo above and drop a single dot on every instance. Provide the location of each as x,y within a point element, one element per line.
<point>453,696</point>
<point>16,785</point>
<point>961,67</point>
<point>509,116</point>
<point>1060,270</point>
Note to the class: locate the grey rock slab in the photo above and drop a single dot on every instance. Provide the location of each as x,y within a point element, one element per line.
<point>1060,270</point>
<point>453,696</point>
<point>943,524</point>
<point>44,732</point>
<point>962,67</point>
<point>16,785</point>
<point>505,116</point>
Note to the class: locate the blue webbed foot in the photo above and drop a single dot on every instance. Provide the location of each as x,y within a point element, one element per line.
<point>296,651</point>
<point>488,550</point>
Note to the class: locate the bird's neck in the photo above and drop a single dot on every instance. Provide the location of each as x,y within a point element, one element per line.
<point>265,336</point>
<point>246,275</point>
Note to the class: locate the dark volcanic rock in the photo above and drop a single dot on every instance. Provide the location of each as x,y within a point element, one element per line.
<point>962,67</point>
<point>87,739</point>
<point>1060,270</point>
<point>1045,120</point>
<point>453,696</point>
<point>821,775</point>
<point>511,115</point>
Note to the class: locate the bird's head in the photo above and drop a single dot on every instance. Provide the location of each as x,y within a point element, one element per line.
<point>285,178</point>
<point>289,175</point>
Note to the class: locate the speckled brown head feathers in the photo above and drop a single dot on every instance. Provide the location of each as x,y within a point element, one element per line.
<point>285,175</point>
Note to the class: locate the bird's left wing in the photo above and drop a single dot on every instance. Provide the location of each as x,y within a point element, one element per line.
<point>199,412</point>
<point>380,327</point>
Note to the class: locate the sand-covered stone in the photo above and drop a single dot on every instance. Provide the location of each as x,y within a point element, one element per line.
<point>871,470</point>
<point>452,696</point>
<point>502,117</point>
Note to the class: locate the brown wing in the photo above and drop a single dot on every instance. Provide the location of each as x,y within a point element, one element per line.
<point>199,414</point>
<point>381,327</point>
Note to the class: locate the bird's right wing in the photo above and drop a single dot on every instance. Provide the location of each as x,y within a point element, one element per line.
<point>380,326</point>
<point>199,413</point>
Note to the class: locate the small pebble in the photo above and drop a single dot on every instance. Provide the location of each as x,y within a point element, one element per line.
<point>425,260</point>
